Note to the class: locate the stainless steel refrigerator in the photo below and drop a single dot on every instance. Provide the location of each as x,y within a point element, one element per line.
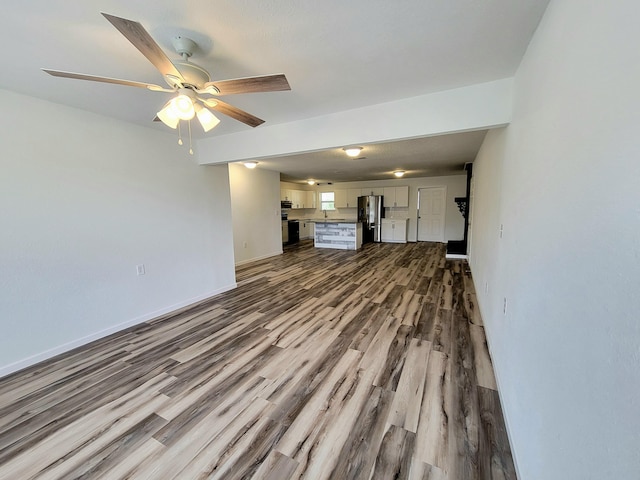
<point>370,211</point>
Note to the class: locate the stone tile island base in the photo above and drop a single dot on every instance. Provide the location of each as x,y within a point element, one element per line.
<point>338,234</point>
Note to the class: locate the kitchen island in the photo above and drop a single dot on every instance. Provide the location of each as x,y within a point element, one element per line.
<point>336,233</point>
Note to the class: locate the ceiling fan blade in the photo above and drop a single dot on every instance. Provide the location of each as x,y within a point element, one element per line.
<point>266,83</point>
<point>140,38</point>
<point>94,78</point>
<point>234,112</point>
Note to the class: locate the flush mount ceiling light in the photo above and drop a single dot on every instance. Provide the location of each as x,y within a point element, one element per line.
<point>251,165</point>
<point>352,151</point>
<point>311,182</point>
<point>399,173</point>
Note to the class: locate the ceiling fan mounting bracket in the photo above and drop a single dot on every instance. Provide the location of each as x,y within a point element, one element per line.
<point>184,46</point>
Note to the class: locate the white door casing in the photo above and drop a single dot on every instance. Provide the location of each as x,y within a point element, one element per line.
<point>431,214</point>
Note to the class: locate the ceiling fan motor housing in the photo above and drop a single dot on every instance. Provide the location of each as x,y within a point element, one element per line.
<point>194,75</point>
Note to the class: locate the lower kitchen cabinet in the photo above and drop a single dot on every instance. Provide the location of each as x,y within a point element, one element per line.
<point>306,229</point>
<point>394,230</point>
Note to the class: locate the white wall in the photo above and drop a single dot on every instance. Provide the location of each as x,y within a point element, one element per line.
<point>255,207</point>
<point>475,107</point>
<point>456,186</point>
<point>564,180</point>
<point>83,200</point>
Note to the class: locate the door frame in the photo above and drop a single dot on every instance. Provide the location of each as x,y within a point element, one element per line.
<point>444,214</point>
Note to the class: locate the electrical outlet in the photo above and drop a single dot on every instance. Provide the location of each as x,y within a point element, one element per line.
<point>504,306</point>
<point>501,230</point>
<point>244,244</point>
<point>140,269</point>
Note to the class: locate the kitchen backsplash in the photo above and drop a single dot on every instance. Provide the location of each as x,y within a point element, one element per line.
<point>346,213</point>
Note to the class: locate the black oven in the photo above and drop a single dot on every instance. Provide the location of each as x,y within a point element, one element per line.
<point>294,231</point>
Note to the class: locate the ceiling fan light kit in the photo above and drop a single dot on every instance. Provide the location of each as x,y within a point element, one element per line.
<point>182,105</point>
<point>207,119</point>
<point>188,80</point>
<point>168,116</point>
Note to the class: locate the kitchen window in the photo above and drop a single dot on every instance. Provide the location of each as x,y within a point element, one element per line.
<point>327,201</point>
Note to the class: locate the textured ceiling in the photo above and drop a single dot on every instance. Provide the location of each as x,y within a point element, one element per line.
<point>336,55</point>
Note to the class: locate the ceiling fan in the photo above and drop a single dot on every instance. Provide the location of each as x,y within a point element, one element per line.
<point>196,93</point>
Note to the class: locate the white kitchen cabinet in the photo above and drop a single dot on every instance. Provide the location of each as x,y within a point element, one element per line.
<point>298,198</point>
<point>394,230</point>
<point>386,231</point>
<point>372,191</point>
<point>340,198</point>
<point>310,199</point>
<point>352,197</point>
<point>303,199</point>
<point>306,229</point>
<point>396,196</point>
<point>402,196</point>
<point>285,195</point>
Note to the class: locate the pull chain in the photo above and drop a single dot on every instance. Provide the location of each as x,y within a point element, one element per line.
<point>179,134</point>
<point>190,143</point>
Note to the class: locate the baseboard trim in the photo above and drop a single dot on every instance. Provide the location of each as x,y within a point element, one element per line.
<point>262,257</point>
<point>505,412</point>
<point>66,347</point>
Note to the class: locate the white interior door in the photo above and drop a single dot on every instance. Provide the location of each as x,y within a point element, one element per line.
<point>431,214</point>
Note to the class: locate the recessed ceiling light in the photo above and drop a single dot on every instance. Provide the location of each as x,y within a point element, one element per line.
<point>352,151</point>
<point>251,165</point>
<point>399,173</point>
<point>311,182</point>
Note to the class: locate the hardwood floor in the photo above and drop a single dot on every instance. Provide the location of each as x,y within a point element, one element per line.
<point>321,364</point>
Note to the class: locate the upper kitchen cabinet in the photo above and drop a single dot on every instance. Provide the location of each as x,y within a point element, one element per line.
<point>310,199</point>
<point>285,195</point>
<point>299,198</point>
<point>347,198</point>
<point>396,196</point>
<point>372,191</point>
<point>340,198</point>
<point>352,197</point>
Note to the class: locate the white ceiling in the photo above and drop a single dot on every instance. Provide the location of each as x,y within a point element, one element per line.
<point>336,55</point>
<point>419,157</point>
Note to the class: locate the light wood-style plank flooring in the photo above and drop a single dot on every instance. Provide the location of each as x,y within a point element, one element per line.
<point>322,364</point>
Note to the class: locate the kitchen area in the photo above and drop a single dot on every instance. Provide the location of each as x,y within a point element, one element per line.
<point>344,218</point>
<point>263,224</point>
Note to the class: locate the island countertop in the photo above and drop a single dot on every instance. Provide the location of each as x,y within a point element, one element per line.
<point>333,220</point>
